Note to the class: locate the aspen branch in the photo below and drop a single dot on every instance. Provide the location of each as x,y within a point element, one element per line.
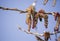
<point>13,9</point>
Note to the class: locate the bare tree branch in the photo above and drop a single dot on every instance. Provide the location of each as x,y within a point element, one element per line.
<point>13,9</point>
<point>38,38</point>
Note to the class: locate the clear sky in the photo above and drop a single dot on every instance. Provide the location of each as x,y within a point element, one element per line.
<point>9,20</point>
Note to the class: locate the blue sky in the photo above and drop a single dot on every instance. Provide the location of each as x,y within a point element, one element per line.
<point>9,20</point>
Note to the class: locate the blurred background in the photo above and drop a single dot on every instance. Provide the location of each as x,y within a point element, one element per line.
<point>9,20</point>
